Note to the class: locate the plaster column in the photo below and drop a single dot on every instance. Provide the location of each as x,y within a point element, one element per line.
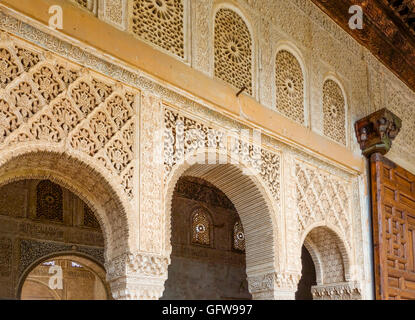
<point>137,276</point>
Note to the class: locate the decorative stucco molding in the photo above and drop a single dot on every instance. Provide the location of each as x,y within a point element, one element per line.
<point>338,291</point>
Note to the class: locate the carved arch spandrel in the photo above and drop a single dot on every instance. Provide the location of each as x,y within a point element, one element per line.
<point>323,198</point>
<point>253,204</point>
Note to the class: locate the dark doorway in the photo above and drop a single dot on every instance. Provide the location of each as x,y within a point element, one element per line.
<point>308,278</point>
<point>208,245</point>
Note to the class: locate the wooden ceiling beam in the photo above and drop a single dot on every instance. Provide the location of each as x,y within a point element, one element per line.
<point>385,32</point>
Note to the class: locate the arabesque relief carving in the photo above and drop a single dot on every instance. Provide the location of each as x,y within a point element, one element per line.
<point>48,100</point>
<point>51,101</point>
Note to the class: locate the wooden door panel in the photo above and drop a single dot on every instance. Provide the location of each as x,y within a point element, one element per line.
<point>393,207</point>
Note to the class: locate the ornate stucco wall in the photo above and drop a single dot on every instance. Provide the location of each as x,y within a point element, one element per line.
<point>119,96</point>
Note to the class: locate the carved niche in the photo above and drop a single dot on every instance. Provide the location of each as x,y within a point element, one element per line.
<point>376,132</point>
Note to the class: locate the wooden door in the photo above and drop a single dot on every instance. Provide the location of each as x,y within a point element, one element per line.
<point>393,205</point>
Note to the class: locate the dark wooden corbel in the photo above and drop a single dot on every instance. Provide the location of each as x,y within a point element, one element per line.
<point>376,132</point>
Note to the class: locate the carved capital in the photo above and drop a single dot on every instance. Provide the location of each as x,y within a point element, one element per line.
<point>137,275</point>
<point>376,132</point>
<point>337,291</point>
<point>137,288</point>
<point>142,264</point>
<point>274,286</point>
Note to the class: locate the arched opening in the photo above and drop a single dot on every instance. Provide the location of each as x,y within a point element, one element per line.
<point>326,263</point>
<point>308,276</point>
<point>254,206</point>
<point>55,203</point>
<point>81,177</point>
<point>208,245</point>
<point>65,277</point>
<point>41,219</point>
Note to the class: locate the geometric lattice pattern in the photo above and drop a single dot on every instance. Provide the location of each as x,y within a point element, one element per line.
<point>160,22</point>
<point>238,237</point>
<point>233,50</point>
<point>201,227</point>
<point>396,236</point>
<point>322,197</point>
<point>49,201</point>
<point>334,112</point>
<point>394,231</point>
<point>403,105</point>
<point>55,102</point>
<point>289,86</point>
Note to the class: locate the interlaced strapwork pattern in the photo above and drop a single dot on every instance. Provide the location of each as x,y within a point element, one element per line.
<point>289,82</point>
<point>321,197</point>
<point>334,110</point>
<point>45,99</point>
<point>233,50</point>
<point>160,22</point>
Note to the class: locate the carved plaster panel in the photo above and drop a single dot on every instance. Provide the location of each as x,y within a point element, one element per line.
<point>323,198</point>
<point>45,99</point>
